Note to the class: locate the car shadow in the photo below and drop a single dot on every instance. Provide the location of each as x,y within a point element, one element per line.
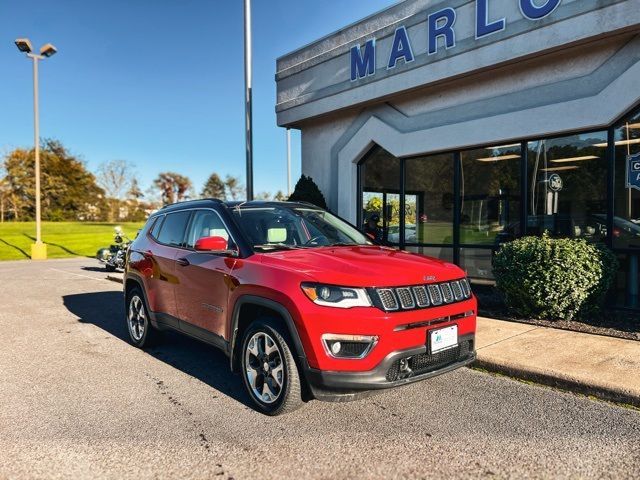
<point>206,363</point>
<point>93,269</point>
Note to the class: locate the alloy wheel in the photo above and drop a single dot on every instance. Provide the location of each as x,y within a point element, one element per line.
<point>136,318</point>
<point>264,368</point>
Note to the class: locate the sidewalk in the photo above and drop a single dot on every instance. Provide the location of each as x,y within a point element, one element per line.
<point>605,367</point>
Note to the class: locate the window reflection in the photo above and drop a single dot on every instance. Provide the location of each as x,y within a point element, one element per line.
<point>490,193</point>
<point>568,187</point>
<point>380,177</point>
<point>429,199</point>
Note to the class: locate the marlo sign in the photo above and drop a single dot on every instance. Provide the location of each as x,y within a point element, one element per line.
<point>441,26</point>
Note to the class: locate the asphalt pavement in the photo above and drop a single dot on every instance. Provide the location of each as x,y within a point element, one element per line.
<point>78,401</point>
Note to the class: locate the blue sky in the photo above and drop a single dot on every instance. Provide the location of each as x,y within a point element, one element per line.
<point>159,83</point>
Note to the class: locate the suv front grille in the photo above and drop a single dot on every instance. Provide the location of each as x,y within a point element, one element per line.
<point>421,296</point>
<point>388,299</point>
<point>406,299</point>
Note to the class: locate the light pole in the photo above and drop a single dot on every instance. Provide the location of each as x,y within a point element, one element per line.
<point>248,94</point>
<point>38,249</point>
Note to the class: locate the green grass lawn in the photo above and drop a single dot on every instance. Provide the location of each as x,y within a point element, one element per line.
<point>64,239</point>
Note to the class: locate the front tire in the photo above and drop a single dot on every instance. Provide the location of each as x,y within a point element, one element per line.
<point>141,332</point>
<point>269,370</point>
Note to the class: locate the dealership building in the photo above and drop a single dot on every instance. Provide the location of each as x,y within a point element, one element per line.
<point>464,124</point>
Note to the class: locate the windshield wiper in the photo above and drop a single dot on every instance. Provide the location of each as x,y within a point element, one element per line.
<point>345,244</point>
<point>278,246</point>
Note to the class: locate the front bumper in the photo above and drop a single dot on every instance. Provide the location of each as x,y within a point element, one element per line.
<point>344,386</point>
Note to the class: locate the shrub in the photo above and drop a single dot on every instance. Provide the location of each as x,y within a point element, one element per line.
<point>548,278</point>
<point>307,191</point>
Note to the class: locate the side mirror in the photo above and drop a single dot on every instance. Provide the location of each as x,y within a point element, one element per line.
<point>216,245</point>
<point>211,243</point>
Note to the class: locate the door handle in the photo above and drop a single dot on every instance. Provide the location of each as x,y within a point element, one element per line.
<point>183,262</point>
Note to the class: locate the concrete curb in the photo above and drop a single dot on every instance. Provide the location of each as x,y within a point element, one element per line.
<point>559,381</point>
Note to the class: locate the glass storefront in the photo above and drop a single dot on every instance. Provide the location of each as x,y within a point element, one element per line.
<point>428,200</point>
<point>568,186</point>
<point>460,206</point>
<point>380,180</point>
<point>489,193</point>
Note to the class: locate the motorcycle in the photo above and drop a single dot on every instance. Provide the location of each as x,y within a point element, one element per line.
<point>113,257</point>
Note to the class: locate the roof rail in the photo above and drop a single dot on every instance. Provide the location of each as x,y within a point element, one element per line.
<point>216,200</point>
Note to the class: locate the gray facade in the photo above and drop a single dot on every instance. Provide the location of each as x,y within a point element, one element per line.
<point>549,90</point>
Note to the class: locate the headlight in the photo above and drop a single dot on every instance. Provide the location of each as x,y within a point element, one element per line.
<point>332,296</point>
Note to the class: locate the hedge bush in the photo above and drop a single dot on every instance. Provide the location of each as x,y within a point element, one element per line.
<point>547,278</point>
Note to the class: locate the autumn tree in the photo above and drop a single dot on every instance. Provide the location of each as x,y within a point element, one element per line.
<point>69,191</point>
<point>173,187</point>
<point>214,188</point>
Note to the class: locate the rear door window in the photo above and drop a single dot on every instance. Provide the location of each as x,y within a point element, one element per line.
<point>156,227</point>
<point>173,229</point>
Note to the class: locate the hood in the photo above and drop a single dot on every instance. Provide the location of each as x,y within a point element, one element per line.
<point>368,266</point>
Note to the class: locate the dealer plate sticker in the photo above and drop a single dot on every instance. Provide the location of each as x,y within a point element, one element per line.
<point>443,339</point>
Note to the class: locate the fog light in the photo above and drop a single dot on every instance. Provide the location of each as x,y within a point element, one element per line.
<point>348,346</point>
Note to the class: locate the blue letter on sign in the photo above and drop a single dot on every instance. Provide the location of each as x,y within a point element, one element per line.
<point>363,64</point>
<point>441,25</point>
<point>533,12</point>
<point>401,48</point>
<point>483,27</point>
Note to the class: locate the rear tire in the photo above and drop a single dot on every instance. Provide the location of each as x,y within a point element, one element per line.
<point>269,370</point>
<point>141,332</point>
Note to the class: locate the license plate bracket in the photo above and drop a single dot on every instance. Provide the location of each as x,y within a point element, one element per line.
<point>442,339</point>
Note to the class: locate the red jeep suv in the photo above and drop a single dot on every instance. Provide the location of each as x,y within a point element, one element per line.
<point>304,304</point>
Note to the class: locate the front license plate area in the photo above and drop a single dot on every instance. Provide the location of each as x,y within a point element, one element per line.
<point>442,339</point>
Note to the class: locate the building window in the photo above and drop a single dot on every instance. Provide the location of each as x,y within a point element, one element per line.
<point>626,220</point>
<point>429,200</point>
<point>626,225</point>
<point>380,179</point>
<point>568,187</point>
<point>489,194</point>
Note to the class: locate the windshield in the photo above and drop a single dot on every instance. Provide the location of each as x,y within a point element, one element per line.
<point>273,228</point>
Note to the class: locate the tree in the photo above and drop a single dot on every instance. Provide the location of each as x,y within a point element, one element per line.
<point>214,188</point>
<point>115,177</point>
<point>173,187</point>
<point>279,196</point>
<point>307,191</point>
<point>69,190</point>
<point>263,196</point>
<point>4,197</point>
<point>134,192</point>
<point>235,189</point>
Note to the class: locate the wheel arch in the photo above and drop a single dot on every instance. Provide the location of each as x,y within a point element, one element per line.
<point>251,307</point>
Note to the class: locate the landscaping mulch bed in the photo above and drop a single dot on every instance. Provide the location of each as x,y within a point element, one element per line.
<point>612,324</point>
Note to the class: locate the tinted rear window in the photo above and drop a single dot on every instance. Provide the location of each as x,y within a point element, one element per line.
<point>173,229</point>
<point>156,227</point>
